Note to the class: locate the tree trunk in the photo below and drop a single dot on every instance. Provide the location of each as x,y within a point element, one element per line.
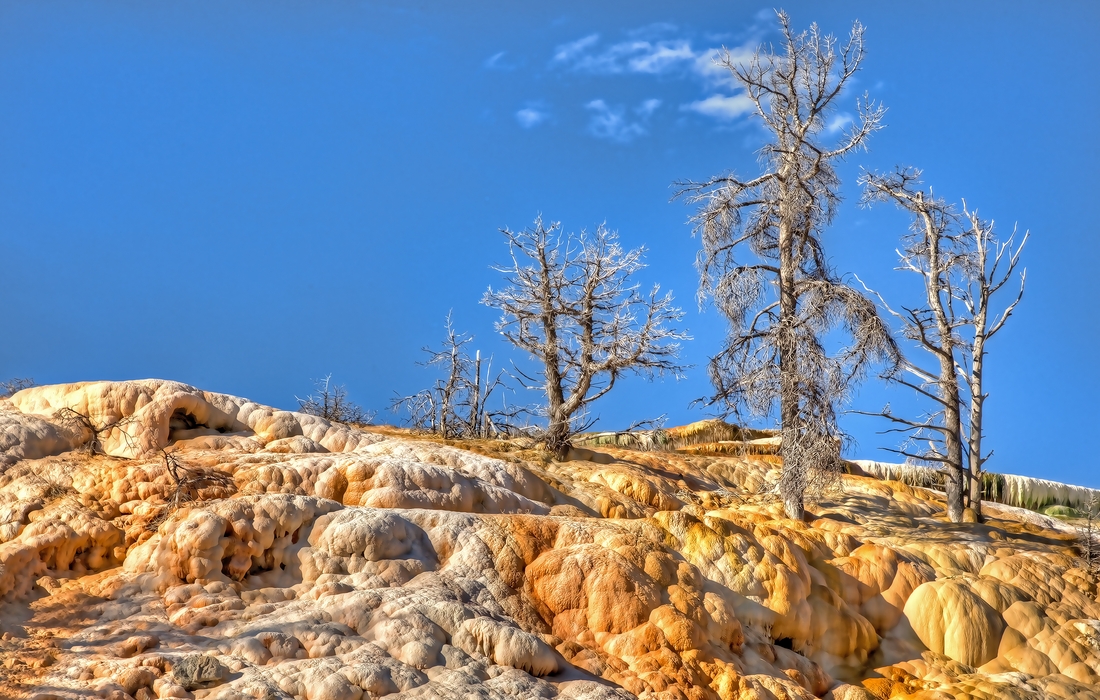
<point>792,482</point>
<point>953,471</point>
<point>475,401</point>
<point>557,433</point>
<point>948,383</point>
<point>557,430</point>
<point>977,399</point>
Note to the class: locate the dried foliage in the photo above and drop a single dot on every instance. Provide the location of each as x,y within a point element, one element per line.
<point>330,401</point>
<point>12,386</point>
<point>54,484</point>
<point>763,264</point>
<point>83,424</point>
<point>457,405</point>
<point>189,483</point>
<point>1088,539</point>
<point>571,304</point>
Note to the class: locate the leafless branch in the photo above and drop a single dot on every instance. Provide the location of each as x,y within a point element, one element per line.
<point>457,405</point>
<point>11,386</point>
<point>330,401</point>
<point>962,266</point>
<point>92,431</point>
<point>570,303</point>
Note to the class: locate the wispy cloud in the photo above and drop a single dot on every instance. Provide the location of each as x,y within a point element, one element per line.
<point>706,64</point>
<point>633,56</point>
<point>648,107</point>
<point>501,61</point>
<point>672,54</point>
<point>722,107</point>
<point>651,51</point>
<point>530,117</point>
<point>645,53</point>
<point>567,52</point>
<point>613,122</point>
<point>839,123</point>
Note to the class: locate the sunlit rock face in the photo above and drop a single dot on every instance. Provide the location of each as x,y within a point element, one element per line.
<point>222,549</point>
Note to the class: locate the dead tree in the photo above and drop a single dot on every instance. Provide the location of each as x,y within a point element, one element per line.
<point>935,249</point>
<point>962,266</point>
<point>13,386</point>
<point>483,422</point>
<point>83,424</point>
<point>420,408</point>
<point>572,306</point>
<point>988,267</point>
<point>763,264</point>
<point>330,401</point>
<point>188,484</point>
<point>449,391</point>
<point>1087,538</point>
<point>456,406</point>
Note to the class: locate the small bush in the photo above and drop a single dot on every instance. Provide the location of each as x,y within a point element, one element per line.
<point>330,401</point>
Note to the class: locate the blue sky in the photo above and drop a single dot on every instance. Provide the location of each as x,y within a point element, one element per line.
<point>246,196</point>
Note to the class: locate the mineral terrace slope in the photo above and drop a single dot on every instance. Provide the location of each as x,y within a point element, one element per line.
<point>329,563</point>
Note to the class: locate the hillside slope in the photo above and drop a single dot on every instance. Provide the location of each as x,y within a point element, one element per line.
<point>223,549</point>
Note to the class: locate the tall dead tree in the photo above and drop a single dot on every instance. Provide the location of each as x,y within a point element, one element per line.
<point>988,267</point>
<point>571,305</point>
<point>936,250</point>
<point>962,266</point>
<point>764,265</point>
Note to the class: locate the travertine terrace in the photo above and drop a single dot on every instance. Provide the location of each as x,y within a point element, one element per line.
<point>216,548</point>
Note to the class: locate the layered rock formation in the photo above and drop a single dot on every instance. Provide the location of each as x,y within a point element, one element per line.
<point>209,547</point>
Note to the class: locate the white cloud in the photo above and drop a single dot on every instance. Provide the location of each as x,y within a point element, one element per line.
<point>648,107</point>
<point>502,61</point>
<point>530,117</point>
<point>660,57</point>
<point>723,107</point>
<point>839,122</point>
<point>705,65</point>
<point>566,52</point>
<point>650,56</point>
<point>656,50</point>
<point>635,56</point>
<point>611,123</point>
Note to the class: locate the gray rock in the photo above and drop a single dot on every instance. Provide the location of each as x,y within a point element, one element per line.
<point>199,671</point>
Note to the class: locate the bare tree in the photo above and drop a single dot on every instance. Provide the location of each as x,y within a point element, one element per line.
<point>15,385</point>
<point>457,405</point>
<point>330,401</point>
<point>962,266</point>
<point>989,266</point>
<point>1087,538</point>
<point>571,305</point>
<point>449,391</point>
<point>763,263</point>
<point>935,250</point>
<point>420,408</point>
